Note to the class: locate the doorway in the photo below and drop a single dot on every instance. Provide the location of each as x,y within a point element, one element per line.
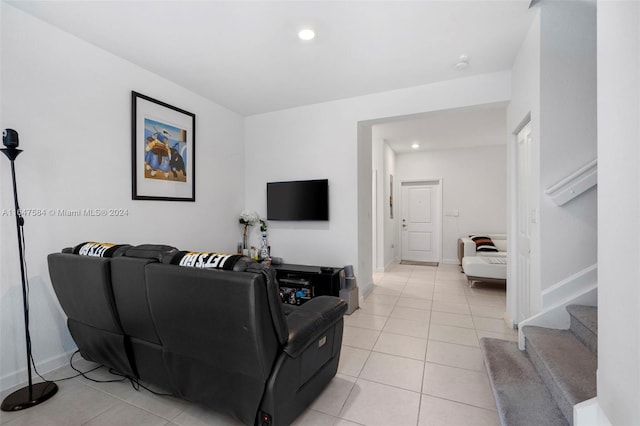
<point>420,221</point>
<point>524,218</point>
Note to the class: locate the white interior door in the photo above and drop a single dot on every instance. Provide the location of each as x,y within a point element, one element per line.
<point>524,218</point>
<point>420,222</point>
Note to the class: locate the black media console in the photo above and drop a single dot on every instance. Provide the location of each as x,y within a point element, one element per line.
<point>299,283</point>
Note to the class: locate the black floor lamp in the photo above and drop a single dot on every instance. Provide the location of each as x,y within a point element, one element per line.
<point>32,394</point>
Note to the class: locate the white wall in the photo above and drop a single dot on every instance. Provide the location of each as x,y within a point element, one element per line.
<point>554,81</point>
<point>377,204</point>
<point>364,200</point>
<point>71,104</point>
<point>619,211</point>
<point>568,135</point>
<point>384,230</point>
<point>324,141</point>
<point>473,183</point>
<point>391,241</point>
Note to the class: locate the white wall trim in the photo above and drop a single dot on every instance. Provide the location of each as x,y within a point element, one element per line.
<point>17,379</point>
<point>589,413</point>
<point>568,288</point>
<point>578,182</point>
<point>579,288</point>
<point>388,265</point>
<point>366,291</point>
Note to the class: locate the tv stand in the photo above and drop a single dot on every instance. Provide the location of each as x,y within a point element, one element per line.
<point>313,280</point>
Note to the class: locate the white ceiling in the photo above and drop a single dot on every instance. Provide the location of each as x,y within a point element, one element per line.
<point>447,129</point>
<point>246,55</point>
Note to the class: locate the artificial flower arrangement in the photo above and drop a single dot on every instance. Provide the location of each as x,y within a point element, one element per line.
<point>247,218</point>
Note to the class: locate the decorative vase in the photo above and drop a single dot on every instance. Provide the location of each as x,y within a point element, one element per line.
<point>245,243</point>
<point>264,248</point>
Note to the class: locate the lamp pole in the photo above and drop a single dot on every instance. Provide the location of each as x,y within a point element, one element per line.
<point>32,394</point>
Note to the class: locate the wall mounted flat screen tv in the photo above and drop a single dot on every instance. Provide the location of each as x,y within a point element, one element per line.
<point>298,200</point>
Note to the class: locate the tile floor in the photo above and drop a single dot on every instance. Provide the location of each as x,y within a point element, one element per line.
<point>410,356</point>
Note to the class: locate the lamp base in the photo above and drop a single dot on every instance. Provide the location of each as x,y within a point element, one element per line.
<point>22,398</point>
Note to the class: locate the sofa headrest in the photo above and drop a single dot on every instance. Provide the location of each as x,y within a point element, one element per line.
<point>151,251</point>
<point>211,260</point>
<point>98,249</point>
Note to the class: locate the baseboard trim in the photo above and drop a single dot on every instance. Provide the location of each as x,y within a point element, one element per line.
<point>365,291</point>
<point>18,379</point>
<point>570,287</point>
<point>394,261</point>
<point>589,413</point>
<point>580,288</point>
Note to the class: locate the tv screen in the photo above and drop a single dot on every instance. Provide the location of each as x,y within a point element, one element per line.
<point>298,200</point>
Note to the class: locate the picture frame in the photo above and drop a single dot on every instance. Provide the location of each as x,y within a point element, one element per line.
<point>163,150</point>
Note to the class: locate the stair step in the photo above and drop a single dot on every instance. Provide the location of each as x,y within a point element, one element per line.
<point>521,396</point>
<point>584,324</point>
<point>566,366</point>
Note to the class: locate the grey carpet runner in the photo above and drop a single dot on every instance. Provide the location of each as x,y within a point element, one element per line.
<point>539,386</point>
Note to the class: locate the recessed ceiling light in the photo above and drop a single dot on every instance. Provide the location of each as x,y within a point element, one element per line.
<point>306,34</point>
<point>415,145</point>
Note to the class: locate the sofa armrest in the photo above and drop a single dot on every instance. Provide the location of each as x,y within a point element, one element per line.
<point>469,247</point>
<point>309,321</point>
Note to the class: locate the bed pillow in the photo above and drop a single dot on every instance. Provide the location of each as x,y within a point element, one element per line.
<point>483,243</point>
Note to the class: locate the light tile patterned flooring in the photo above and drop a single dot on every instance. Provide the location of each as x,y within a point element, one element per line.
<point>410,356</point>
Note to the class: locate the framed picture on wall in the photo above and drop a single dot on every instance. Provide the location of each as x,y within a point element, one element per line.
<point>163,150</point>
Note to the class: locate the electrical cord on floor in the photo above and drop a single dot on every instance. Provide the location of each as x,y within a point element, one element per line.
<point>27,332</point>
<point>80,373</point>
<point>26,308</point>
<point>83,373</point>
<point>135,383</point>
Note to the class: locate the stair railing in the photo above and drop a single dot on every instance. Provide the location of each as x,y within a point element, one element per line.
<point>583,179</point>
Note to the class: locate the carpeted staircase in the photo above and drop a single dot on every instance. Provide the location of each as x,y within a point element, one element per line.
<point>540,386</point>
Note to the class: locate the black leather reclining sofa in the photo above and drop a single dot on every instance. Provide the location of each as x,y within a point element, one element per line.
<point>216,336</point>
